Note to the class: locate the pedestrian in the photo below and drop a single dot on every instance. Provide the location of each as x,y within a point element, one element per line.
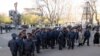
<point>76,35</point>
<point>71,39</point>
<point>13,45</point>
<point>53,38</point>
<point>1,29</point>
<point>38,42</point>
<point>50,39</point>
<point>6,28</point>
<point>60,40</point>
<point>20,44</point>
<point>87,36</point>
<point>65,36</point>
<point>44,38</point>
<point>29,46</point>
<point>80,39</point>
<point>96,39</point>
<point>24,34</point>
<point>34,38</point>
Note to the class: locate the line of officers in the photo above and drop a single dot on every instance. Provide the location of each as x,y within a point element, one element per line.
<point>25,44</point>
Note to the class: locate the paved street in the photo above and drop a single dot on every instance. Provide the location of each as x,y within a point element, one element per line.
<point>78,51</point>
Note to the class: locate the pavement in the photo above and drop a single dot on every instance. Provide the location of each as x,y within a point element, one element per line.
<point>78,51</point>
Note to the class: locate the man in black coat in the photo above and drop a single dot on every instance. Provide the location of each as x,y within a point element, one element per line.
<point>38,40</point>
<point>53,38</point>
<point>13,45</point>
<point>50,39</point>
<point>29,46</point>
<point>60,40</point>
<point>20,45</point>
<point>87,35</point>
<point>65,32</point>
<point>44,38</point>
<point>71,39</point>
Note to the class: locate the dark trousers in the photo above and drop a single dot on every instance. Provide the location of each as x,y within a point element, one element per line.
<point>52,44</point>
<point>1,30</point>
<point>71,43</point>
<point>44,44</point>
<point>86,39</point>
<point>60,46</point>
<point>27,53</point>
<point>80,44</point>
<point>64,43</point>
<point>14,53</point>
<point>38,48</point>
<point>20,53</point>
<point>48,42</point>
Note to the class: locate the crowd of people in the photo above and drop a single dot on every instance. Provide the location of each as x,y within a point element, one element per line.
<point>27,44</point>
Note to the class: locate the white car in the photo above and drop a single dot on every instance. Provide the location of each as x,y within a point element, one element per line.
<point>19,27</point>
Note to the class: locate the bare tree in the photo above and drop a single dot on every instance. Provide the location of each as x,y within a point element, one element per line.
<point>52,9</point>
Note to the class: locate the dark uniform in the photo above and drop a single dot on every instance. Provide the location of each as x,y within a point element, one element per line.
<point>20,45</point>
<point>86,37</point>
<point>44,39</point>
<point>38,41</point>
<point>29,47</point>
<point>1,28</point>
<point>13,45</point>
<point>96,39</point>
<point>49,38</point>
<point>71,39</point>
<point>76,35</point>
<point>60,40</point>
<point>53,36</point>
<point>65,37</point>
<point>24,32</point>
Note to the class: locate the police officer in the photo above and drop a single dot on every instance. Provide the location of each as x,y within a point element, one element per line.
<point>87,35</point>
<point>13,45</point>
<point>60,40</point>
<point>65,36</point>
<point>49,37</point>
<point>20,44</point>
<point>52,38</point>
<point>71,39</point>
<point>34,37</point>
<point>24,34</point>
<point>76,34</point>
<point>29,46</point>
<point>38,40</point>
<point>43,36</point>
<point>1,28</point>
<point>6,28</point>
<point>46,38</point>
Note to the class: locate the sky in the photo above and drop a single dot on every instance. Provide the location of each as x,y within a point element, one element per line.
<point>6,5</point>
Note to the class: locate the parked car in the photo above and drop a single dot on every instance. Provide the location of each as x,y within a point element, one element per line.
<point>19,27</point>
<point>25,26</point>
